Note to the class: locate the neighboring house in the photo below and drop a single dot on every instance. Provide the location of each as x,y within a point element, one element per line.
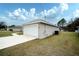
<point>15,29</point>
<point>39,28</point>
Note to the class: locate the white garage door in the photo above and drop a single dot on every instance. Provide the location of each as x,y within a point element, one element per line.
<point>31,30</point>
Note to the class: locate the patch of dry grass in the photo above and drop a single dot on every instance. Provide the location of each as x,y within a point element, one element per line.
<point>66,43</point>
<point>5,33</point>
<point>8,33</point>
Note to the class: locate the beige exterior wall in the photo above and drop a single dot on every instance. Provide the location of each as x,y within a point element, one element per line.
<point>46,30</point>
<point>18,30</point>
<point>39,30</point>
<point>31,29</point>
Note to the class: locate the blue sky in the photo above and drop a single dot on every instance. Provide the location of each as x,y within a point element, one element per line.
<point>20,13</point>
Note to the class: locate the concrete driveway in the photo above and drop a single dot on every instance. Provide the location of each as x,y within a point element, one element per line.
<point>14,40</point>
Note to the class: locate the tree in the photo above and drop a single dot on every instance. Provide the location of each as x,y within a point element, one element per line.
<point>73,25</point>
<point>12,26</point>
<point>61,23</point>
<point>3,26</point>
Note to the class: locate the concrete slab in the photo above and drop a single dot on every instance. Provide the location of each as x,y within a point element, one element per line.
<point>6,42</point>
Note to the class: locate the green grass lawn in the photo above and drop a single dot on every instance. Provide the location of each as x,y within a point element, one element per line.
<point>66,43</point>
<point>5,33</point>
<point>8,33</point>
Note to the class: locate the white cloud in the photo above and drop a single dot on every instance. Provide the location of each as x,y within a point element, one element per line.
<point>22,14</point>
<point>16,13</point>
<point>63,7</point>
<point>26,13</point>
<point>5,19</point>
<point>22,17</point>
<point>48,13</point>
<point>43,13</point>
<point>23,10</point>
<point>51,13</point>
<point>10,14</point>
<point>19,10</point>
<point>55,11</point>
<point>32,12</point>
<point>76,13</point>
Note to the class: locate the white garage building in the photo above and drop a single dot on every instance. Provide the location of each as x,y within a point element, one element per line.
<point>39,28</point>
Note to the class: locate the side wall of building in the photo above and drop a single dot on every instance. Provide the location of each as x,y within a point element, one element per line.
<point>39,30</point>
<point>46,30</point>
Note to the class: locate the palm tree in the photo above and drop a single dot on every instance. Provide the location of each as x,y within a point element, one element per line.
<point>61,23</point>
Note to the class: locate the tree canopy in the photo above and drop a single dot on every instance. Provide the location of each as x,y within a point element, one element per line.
<point>3,26</point>
<point>73,26</point>
<point>61,23</point>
